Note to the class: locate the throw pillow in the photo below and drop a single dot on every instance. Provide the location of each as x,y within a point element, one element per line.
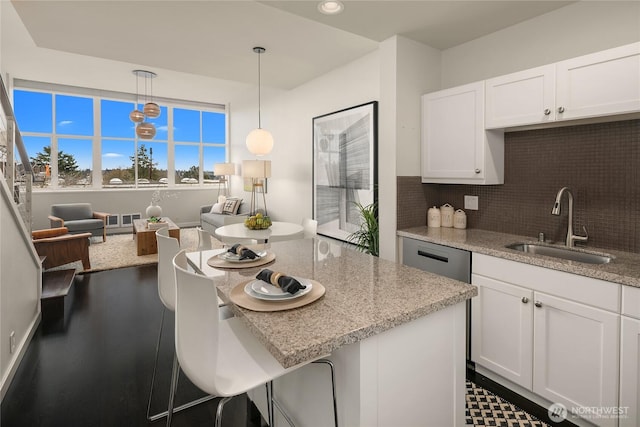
<point>231,206</point>
<point>222,198</point>
<point>217,208</point>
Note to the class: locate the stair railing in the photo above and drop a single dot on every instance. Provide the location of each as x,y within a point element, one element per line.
<point>19,175</point>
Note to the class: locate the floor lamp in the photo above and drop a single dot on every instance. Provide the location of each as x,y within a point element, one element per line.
<point>222,171</point>
<point>258,171</point>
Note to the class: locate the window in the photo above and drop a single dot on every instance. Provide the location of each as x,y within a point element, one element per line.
<point>70,132</point>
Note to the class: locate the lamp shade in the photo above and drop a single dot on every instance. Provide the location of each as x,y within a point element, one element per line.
<point>151,109</point>
<point>256,168</point>
<point>136,116</point>
<point>224,169</point>
<point>259,142</point>
<point>146,130</point>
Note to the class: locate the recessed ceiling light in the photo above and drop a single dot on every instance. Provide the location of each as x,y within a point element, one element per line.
<point>330,7</point>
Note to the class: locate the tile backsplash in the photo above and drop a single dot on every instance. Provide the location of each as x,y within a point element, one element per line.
<point>599,162</point>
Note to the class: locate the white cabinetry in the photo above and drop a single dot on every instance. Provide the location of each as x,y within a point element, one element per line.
<point>503,343</point>
<point>552,333</point>
<point>522,98</point>
<point>600,84</point>
<point>630,357</point>
<point>456,149</point>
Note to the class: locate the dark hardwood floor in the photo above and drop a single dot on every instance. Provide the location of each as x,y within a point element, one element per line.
<point>94,367</point>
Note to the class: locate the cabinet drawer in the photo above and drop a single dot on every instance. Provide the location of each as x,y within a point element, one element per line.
<point>631,301</point>
<point>443,260</point>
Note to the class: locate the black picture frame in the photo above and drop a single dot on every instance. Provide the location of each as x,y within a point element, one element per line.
<point>345,168</point>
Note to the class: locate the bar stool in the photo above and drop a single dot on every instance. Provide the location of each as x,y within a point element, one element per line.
<point>221,356</point>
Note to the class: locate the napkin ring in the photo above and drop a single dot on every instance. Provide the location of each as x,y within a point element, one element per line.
<point>274,279</point>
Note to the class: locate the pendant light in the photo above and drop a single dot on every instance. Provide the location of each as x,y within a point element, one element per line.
<point>259,141</point>
<point>144,129</point>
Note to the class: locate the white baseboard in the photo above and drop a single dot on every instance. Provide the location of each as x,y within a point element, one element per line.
<point>17,358</point>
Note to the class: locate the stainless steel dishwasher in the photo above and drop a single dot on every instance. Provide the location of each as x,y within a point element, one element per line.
<point>443,260</point>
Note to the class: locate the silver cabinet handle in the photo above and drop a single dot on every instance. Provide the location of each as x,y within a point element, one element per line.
<point>547,111</point>
<point>477,170</point>
<point>560,109</point>
<point>525,300</point>
<point>537,304</point>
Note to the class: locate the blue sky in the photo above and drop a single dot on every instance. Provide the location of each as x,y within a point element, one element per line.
<point>75,127</point>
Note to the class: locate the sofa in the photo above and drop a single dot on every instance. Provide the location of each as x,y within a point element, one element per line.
<point>79,218</point>
<point>210,221</point>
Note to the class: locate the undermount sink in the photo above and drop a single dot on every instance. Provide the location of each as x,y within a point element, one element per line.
<point>564,253</point>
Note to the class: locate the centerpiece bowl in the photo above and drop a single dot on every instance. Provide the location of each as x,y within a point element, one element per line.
<point>257,222</point>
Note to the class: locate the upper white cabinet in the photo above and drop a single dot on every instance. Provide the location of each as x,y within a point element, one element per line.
<point>600,84</point>
<point>456,149</point>
<point>521,98</point>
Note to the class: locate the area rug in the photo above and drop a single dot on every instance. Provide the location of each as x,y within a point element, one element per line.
<point>119,251</point>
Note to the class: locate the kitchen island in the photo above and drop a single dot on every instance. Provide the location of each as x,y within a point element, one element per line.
<point>395,334</point>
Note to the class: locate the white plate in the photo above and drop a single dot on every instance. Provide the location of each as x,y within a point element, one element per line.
<point>261,286</point>
<point>228,256</point>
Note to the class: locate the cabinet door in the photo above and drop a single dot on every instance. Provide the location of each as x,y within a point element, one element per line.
<point>575,355</point>
<point>630,372</point>
<point>502,329</point>
<point>599,84</point>
<point>523,98</point>
<point>453,133</point>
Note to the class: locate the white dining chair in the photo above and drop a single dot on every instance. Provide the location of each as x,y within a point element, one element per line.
<point>204,240</point>
<point>310,227</point>
<point>221,356</point>
<point>168,247</point>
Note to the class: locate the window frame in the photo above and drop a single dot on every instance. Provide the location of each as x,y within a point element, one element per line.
<point>96,169</point>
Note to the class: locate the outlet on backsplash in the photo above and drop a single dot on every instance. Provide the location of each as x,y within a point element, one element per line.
<point>471,202</point>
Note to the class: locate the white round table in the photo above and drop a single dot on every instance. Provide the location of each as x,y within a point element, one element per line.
<point>278,231</point>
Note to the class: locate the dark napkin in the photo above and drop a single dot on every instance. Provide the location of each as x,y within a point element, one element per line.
<point>286,283</point>
<point>242,251</point>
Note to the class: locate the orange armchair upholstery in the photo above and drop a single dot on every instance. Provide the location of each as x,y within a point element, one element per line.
<point>59,247</point>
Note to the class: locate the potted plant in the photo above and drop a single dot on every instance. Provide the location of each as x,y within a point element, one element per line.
<point>366,238</point>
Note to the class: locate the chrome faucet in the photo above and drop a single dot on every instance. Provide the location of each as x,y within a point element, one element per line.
<point>571,238</point>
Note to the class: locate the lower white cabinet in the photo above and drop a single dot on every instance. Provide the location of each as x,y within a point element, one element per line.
<point>527,328</point>
<point>502,329</point>
<point>630,372</point>
<point>576,354</point>
<point>630,358</point>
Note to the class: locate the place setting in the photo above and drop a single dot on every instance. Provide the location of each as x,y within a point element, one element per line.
<point>275,291</point>
<point>239,256</point>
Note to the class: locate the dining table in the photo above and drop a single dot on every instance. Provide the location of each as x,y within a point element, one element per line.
<point>396,334</point>
<point>279,230</point>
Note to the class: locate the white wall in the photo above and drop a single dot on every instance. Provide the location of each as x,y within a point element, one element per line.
<point>182,206</point>
<point>20,284</point>
<point>578,29</point>
<point>288,116</point>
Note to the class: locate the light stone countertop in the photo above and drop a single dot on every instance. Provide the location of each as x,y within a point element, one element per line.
<point>365,296</point>
<point>623,269</point>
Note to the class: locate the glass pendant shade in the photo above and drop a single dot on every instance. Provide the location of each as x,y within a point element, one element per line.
<point>146,130</point>
<point>151,109</point>
<point>259,142</point>
<point>136,116</point>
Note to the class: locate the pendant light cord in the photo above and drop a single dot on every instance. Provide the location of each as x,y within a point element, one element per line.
<point>259,98</point>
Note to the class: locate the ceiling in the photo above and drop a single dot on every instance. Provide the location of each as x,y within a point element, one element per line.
<point>216,38</point>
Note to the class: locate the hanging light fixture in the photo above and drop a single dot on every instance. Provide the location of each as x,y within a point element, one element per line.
<point>259,141</point>
<point>144,129</point>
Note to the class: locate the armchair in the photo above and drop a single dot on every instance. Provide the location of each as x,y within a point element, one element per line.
<point>79,218</point>
<point>59,247</point>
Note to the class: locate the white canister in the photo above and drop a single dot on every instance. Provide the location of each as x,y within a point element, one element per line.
<point>446,215</point>
<point>433,217</point>
<point>459,219</point>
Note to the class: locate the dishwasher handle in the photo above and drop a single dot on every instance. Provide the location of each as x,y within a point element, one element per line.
<point>433,256</point>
